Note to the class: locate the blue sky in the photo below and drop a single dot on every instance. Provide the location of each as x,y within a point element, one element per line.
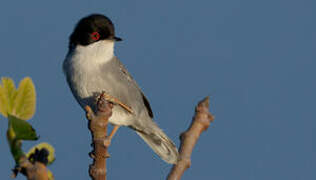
<point>256,59</point>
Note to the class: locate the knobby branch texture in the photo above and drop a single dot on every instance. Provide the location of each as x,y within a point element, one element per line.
<point>200,122</point>
<point>98,123</point>
<point>32,171</point>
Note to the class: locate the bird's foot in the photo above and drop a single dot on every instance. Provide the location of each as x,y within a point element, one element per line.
<point>115,101</point>
<point>107,141</point>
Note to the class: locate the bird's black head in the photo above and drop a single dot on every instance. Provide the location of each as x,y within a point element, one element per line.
<point>91,29</point>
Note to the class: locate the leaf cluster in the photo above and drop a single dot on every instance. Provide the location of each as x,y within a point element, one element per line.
<point>18,105</point>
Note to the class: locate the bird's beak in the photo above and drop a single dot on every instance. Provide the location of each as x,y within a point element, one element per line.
<point>117,39</point>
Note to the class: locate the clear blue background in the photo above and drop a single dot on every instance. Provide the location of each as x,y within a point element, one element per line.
<point>256,59</point>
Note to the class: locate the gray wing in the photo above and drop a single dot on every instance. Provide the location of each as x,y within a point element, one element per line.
<point>130,80</point>
<point>147,105</point>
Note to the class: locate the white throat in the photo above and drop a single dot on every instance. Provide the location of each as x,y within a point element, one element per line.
<point>96,53</point>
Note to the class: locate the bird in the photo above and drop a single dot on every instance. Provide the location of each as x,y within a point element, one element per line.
<point>91,67</point>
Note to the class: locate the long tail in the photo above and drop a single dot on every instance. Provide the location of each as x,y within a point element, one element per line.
<point>159,143</point>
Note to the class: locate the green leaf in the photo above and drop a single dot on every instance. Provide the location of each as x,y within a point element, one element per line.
<point>22,129</point>
<point>25,100</point>
<point>15,145</point>
<point>8,93</point>
<point>10,134</point>
<point>48,147</point>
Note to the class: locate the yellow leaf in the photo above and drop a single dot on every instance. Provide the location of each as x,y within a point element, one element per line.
<point>48,147</point>
<point>7,96</point>
<point>3,103</point>
<point>50,175</point>
<point>25,100</point>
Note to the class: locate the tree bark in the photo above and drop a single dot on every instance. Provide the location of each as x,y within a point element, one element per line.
<point>98,123</point>
<point>200,123</point>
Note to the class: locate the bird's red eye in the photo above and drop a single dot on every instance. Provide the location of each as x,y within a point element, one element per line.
<point>95,36</point>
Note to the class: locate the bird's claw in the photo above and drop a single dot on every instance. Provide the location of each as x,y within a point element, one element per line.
<point>114,100</point>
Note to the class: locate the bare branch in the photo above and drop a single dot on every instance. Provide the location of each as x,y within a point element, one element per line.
<point>98,123</point>
<point>200,123</point>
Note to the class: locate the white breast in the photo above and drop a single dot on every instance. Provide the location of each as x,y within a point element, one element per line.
<point>83,63</point>
<point>93,54</point>
<point>82,67</point>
